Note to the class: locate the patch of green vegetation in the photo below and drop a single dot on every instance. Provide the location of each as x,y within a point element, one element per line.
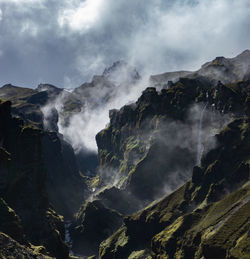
<point>132,143</point>
<point>235,227</point>
<point>118,240</point>
<point>30,128</point>
<point>167,234</point>
<point>141,254</point>
<point>221,208</point>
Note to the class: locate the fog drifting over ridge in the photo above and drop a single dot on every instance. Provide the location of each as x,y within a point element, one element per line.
<point>66,42</point>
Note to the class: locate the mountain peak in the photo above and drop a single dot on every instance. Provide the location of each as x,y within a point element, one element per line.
<point>244,56</point>
<point>6,86</point>
<point>49,88</point>
<point>121,72</point>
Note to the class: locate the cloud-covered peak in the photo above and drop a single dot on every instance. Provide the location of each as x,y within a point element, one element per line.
<point>121,73</point>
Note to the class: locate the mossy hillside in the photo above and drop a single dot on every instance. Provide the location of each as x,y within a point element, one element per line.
<point>115,244</point>
<point>207,232</point>
<point>185,217</point>
<point>127,138</point>
<point>135,125</point>
<point>9,248</point>
<point>225,167</point>
<point>210,181</point>
<point>142,226</point>
<point>24,104</point>
<point>173,103</point>
<point>13,93</point>
<point>94,223</point>
<point>141,254</point>
<point>27,103</point>
<point>10,223</point>
<point>233,231</point>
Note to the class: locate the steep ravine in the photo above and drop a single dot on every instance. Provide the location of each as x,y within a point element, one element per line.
<point>139,181</point>
<point>172,181</point>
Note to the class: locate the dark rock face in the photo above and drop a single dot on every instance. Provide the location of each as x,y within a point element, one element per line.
<point>199,218</point>
<point>24,185</point>
<point>136,158</point>
<point>137,151</point>
<point>148,149</point>
<point>9,246</point>
<point>11,223</point>
<point>66,188</point>
<point>25,103</point>
<point>172,227</point>
<point>64,183</point>
<point>95,222</point>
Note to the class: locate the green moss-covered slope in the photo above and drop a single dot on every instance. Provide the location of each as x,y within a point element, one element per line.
<point>207,217</point>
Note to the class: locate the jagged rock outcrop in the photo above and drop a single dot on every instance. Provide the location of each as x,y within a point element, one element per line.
<point>105,88</point>
<point>94,223</point>
<point>29,111</point>
<point>66,188</point>
<point>206,217</point>
<point>23,186</point>
<point>143,179</point>
<point>138,160</point>
<point>10,247</point>
<point>10,223</point>
<point>60,161</point>
<point>137,152</point>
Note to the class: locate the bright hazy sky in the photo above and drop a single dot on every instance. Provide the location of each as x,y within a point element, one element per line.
<point>65,42</point>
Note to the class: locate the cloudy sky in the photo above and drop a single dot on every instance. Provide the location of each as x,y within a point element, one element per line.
<point>65,42</point>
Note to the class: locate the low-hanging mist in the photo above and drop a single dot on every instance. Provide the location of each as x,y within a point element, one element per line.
<point>112,90</point>
<point>170,151</point>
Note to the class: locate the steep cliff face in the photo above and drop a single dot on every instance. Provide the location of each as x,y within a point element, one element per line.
<point>150,148</point>
<point>23,178</point>
<point>160,163</point>
<point>94,223</point>
<point>66,188</point>
<point>208,216</point>
<point>153,143</point>
<point>64,184</point>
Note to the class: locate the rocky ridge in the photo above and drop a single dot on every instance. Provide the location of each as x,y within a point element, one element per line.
<point>27,214</point>
<point>152,197</point>
<point>226,70</point>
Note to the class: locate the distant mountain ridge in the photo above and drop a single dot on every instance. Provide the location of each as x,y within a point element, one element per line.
<point>226,70</point>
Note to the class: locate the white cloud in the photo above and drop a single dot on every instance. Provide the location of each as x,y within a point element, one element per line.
<point>20,2</point>
<point>1,15</point>
<point>185,36</point>
<point>28,27</point>
<point>80,17</point>
<point>78,38</point>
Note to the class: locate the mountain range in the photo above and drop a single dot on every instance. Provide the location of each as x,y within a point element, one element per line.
<point>169,178</point>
